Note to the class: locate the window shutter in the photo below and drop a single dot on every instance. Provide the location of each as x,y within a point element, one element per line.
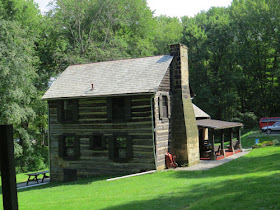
<point>103,142</point>
<point>169,106</point>
<point>111,147</point>
<point>77,147</point>
<point>160,107</point>
<point>60,147</point>
<point>59,110</point>
<point>109,109</point>
<point>129,148</point>
<point>91,142</point>
<point>127,108</point>
<point>75,110</point>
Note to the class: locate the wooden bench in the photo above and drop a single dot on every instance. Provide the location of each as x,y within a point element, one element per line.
<point>35,176</point>
<point>206,150</point>
<point>217,150</point>
<point>235,145</point>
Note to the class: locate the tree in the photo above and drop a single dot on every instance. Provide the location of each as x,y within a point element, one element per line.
<point>234,59</point>
<point>168,31</point>
<point>257,53</point>
<point>20,101</point>
<point>209,38</point>
<point>17,75</point>
<point>90,31</point>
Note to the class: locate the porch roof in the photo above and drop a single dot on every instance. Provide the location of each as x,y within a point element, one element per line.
<point>217,124</point>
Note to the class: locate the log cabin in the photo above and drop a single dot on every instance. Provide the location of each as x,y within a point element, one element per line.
<point>121,116</point>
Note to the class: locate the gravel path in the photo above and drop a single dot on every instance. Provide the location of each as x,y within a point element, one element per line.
<point>207,164</point>
<point>23,185</point>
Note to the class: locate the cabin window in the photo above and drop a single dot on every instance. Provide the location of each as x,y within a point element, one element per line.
<point>118,109</point>
<point>164,107</point>
<point>120,148</point>
<point>120,152</point>
<point>67,110</point>
<point>69,147</point>
<point>97,142</point>
<point>69,142</point>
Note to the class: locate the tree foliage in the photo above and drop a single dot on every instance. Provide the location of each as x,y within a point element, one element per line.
<point>19,32</point>
<point>88,31</point>
<point>234,58</point>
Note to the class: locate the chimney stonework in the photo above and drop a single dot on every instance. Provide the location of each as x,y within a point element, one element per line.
<point>184,131</point>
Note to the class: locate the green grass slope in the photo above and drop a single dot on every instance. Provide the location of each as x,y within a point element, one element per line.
<point>250,182</point>
<point>248,139</point>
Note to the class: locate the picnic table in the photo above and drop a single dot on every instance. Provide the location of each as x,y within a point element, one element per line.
<point>35,176</point>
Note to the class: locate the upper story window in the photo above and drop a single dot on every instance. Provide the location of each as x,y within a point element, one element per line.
<point>164,107</point>
<point>119,109</point>
<point>67,110</point>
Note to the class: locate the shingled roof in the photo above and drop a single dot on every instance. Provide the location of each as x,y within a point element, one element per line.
<point>129,76</point>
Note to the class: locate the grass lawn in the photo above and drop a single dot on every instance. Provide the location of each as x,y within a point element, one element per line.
<point>249,138</point>
<point>250,182</point>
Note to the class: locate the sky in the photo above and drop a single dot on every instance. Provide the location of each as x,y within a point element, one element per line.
<point>171,8</point>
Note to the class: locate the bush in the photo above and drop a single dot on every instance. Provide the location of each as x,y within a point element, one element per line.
<point>276,142</point>
<point>266,143</point>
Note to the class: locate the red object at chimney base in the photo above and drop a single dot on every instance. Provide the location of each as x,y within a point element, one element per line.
<point>91,86</point>
<point>170,161</point>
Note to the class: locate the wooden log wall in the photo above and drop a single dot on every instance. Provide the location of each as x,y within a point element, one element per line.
<point>162,133</point>
<point>92,120</point>
<point>165,83</point>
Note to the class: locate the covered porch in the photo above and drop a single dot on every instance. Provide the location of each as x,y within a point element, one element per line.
<point>209,129</point>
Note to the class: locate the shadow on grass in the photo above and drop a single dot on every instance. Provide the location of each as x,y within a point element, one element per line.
<point>243,165</point>
<point>244,193</point>
<point>84,181</point>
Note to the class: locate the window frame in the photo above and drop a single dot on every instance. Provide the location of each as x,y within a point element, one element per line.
<point>112,144</point>
<point>160,107</point>
<point>61,111</point>
<point>76,146</point>
<point>127,109</point>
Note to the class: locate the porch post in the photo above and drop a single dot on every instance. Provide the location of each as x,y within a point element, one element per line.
<point>212,141</point>
<point>231,144</point>
<point>222,142</point>
<point>7,164</point>
<point>239,138</point>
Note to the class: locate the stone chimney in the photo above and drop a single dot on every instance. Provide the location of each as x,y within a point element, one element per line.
<point>184,131</point>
